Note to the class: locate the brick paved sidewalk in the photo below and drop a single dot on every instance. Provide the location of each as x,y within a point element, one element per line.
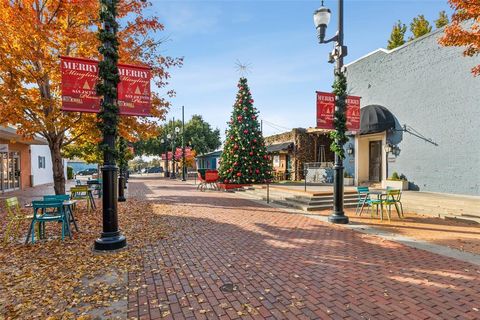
<point>285,266</point>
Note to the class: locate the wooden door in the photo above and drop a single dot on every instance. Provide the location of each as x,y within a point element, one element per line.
<point>375,162</point>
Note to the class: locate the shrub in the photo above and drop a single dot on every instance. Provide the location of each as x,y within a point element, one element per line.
<point>396,177</point>
<point>70,173</point>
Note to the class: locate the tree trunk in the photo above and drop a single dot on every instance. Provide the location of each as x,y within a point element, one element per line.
<point>57,166</point>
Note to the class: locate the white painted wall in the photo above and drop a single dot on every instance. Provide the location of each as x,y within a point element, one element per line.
<point>41,175</point>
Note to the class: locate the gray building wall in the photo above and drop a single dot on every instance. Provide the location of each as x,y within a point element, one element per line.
<point>431,89</point>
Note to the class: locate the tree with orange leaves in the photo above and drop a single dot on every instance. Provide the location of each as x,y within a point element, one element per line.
<point>464,31</point>
<point>35,33</point>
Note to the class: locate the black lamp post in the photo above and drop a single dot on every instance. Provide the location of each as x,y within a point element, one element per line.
<point>165,147</point>
<point>110,238</point>
<point>321,18</point>
<point>175,132</point>
<point>184,168</point>
<point>122,149</point>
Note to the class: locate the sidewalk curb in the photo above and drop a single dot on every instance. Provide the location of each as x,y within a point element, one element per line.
<point>411,242</point>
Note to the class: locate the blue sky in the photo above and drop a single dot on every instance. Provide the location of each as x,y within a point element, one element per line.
<point>278,40</point>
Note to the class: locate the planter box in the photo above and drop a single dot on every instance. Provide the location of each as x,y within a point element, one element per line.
<point>348,181</point>
<point>396,184</point>
<point>231,186</point>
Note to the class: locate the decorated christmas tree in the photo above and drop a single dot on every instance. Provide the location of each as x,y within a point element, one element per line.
<point>244,158</point>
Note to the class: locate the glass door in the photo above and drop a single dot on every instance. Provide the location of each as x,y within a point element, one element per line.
<point>288,161</point>
<point>375,162</point>
<point>4,171</point>
<point>16,170</point>
<point>11,171</point>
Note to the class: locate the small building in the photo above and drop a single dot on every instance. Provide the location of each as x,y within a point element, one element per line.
<point>23,163</point>
<point>293,151</point>
<point>208,160</point>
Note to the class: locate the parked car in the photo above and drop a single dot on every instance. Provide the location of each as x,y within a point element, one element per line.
<point>155,170</point>
<point>87,172</point>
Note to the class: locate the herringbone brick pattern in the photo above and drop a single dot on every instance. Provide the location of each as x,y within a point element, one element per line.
<point>285,266</point>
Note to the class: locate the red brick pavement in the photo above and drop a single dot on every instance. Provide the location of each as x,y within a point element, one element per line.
<point>285,266</point>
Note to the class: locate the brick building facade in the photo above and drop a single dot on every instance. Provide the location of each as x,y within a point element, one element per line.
<point>291,150</point>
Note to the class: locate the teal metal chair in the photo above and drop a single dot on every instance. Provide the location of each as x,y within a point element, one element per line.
<point>97,186</point>
<point>68,209</point>
<point>363,199</point>
<point>48,211</point>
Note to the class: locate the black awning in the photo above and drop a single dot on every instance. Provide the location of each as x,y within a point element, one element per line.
<point>375,118</point>
<point>280,147</point>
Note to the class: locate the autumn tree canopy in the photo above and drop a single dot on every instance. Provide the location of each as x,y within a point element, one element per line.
<point>35,33</point>
<point>464,31</point>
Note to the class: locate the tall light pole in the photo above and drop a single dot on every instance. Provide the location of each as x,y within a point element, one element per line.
<point>321,18</point>
<point>165,147</point>
<point>176,130</point>
<point>184,168</point>
<point>110,238</point>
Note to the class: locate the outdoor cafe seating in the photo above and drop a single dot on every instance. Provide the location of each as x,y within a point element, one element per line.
<point>51,208</point>
<point>376,200</point>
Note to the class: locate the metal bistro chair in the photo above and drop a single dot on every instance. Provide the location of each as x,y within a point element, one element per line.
<point>393,197</point>
<point>96,185</point>
<point>81,193</point>
<point>14,218</point>
<point>68,209</point>
<point>48,211</point>
<point>363,198</point>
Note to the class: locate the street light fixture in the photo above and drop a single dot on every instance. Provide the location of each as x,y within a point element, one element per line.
<point>388,148</point>
<point>321,18</point>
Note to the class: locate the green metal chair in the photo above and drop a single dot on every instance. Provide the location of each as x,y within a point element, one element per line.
<point>68,209</point>
<point>48,211</point>
<point>14,218</point>
<point>81,193</point>
<point>363,198</point>
<point>393,197</point>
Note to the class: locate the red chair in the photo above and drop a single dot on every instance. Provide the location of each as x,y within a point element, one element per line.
<point>208,181</point>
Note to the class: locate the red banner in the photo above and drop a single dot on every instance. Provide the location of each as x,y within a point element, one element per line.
<point>326,109</point>
<point>178,153</point>
<point>79,77</point>
<point>134,90</point>
<point>164,156</point>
